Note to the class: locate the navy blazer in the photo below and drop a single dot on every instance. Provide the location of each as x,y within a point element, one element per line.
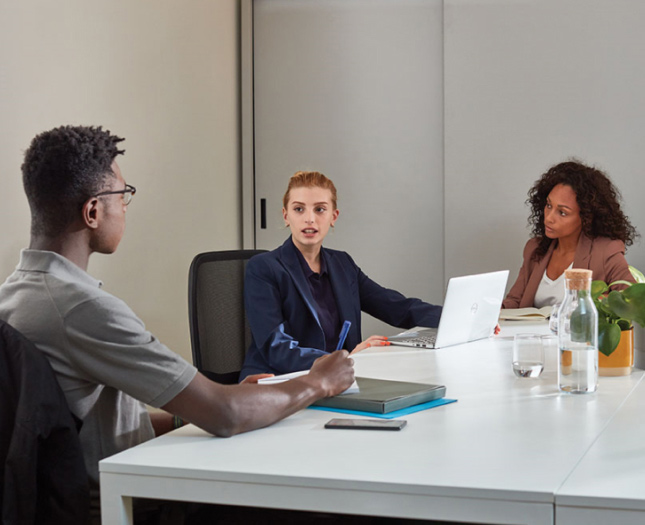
<point>287,335</point>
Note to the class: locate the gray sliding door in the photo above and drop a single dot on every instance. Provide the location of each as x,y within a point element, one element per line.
<point>354,89</point>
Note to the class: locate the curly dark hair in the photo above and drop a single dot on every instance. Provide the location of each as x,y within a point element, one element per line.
<point>597,197</point>
<point>63,168</point>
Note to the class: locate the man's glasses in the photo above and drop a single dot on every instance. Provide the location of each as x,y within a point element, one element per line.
<point>127,193</point>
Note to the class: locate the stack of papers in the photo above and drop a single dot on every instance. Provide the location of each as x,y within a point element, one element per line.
<point>353,389</point>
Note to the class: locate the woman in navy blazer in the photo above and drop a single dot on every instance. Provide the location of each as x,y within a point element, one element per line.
<point>298,295</point>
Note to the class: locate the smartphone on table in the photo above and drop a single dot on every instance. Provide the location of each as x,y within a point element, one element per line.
<point>366,424</point>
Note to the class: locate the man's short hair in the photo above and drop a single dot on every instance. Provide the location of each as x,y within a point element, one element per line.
<point>63,168</point>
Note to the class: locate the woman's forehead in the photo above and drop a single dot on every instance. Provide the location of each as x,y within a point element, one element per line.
<point>307,194</point>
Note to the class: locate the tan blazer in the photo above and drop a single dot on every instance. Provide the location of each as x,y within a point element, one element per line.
<point>605,257</point>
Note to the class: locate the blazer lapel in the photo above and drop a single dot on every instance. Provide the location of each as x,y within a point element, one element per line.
<point>289,259</point>
<point>342,289</point>
<point>536,277</point>
<point>582,257</point>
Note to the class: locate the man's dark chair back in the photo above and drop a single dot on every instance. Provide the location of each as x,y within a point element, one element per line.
<point>43,479</point>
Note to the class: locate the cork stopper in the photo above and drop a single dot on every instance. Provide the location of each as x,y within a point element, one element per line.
<point>578,278</point>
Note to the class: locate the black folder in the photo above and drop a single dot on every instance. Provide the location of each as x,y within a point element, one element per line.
<point>383,396</point>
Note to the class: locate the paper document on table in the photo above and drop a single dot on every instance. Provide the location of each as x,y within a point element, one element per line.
<point>353,389</point>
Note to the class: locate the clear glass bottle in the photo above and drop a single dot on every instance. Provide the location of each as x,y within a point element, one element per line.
<point>577,335</point>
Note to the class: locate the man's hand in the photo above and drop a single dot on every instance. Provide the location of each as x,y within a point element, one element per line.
<point>334,372</point>
<point>226,410</point>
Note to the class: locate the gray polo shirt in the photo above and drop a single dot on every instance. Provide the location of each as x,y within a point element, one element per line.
<point>106,362</point>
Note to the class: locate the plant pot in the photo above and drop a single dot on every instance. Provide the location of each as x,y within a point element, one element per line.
<point>621,360</point>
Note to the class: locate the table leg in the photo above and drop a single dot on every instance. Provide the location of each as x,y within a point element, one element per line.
<point>116,508</point>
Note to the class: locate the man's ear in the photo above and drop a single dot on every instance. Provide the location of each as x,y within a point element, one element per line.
<point>90,213</point>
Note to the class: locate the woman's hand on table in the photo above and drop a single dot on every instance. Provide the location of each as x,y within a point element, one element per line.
<point>373,341</point>
<point>254,378</point>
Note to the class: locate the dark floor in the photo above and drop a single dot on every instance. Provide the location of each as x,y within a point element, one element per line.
<point>153,512</point>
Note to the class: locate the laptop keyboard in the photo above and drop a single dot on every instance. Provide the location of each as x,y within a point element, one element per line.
<point>423,340</point>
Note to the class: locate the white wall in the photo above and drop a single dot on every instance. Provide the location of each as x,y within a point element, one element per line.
<point>162,74</point>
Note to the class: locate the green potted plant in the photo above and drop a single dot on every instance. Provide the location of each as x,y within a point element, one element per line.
<point>617,310</point>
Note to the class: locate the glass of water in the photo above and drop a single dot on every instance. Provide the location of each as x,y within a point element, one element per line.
<point>528,355</point>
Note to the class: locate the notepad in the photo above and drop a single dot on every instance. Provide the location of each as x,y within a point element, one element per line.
<point>525,314</point>
<point>286,377</point>
<point>382,396</point>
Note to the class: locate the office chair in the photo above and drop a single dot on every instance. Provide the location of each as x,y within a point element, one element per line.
<point>219,330</point>
<point>42,471</point>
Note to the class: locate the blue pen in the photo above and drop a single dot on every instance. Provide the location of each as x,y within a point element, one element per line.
<point>343,334</point>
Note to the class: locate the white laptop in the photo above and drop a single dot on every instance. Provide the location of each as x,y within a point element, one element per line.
<point>470,312</point>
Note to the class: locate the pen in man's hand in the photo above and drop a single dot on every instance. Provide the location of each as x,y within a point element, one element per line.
<point>343,334</point>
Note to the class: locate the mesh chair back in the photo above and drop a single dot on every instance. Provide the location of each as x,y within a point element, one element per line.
<point>219,330</point>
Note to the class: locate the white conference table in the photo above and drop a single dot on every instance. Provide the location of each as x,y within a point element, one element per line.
<point>498,455</point>
<point>608,486</point>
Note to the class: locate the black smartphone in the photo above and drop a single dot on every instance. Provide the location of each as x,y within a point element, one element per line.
<point>367,424</point>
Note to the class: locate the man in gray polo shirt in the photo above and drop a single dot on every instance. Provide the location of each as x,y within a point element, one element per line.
<point>108,365</point>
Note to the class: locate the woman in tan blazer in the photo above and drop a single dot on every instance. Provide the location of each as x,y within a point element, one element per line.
<point>576,222</point>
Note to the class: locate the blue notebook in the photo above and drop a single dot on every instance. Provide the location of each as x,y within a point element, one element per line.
<point>391,415</point>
